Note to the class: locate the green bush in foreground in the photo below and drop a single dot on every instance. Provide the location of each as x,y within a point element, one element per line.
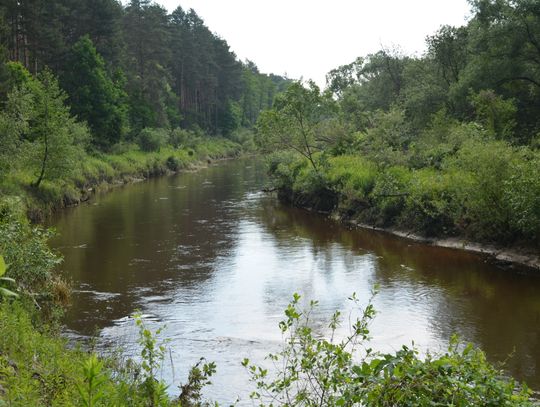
<point>314,371</point>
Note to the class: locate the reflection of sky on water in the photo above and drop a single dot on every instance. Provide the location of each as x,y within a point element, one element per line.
<point>218,264</point>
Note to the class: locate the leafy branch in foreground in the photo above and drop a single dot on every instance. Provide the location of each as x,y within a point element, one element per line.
<point>314,371</point>
<point>4,292</point>
<point>153,353</point>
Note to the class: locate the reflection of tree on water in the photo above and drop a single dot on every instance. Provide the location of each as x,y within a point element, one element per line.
<point>497,309</point>
<point>149,239</point>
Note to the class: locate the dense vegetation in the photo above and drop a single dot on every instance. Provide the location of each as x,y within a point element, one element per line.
<point>446,144</point>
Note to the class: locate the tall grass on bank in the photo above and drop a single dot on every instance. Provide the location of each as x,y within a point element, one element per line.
<point>123,164</point>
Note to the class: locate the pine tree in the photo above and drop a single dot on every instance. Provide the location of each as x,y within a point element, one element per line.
<point>93,96</point>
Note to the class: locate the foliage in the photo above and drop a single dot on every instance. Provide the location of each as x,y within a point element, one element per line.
<point>317,371</point>
<point>40,130</point>
<point>93,95</point>
<point>5,292</point>
<point>134,65</point>
<point>199,377</point>
<point>430,204</point>
<point>31,262</point>
<point>495,113</point>
<point>521,192</point>
<point>390,194</point>
<point>462,184</point>
<point>91,392</point>
<point>295,122</point>
<point>385,142</point>
<point>442,144</point>
<point>152,355</point>
<point>485,167</point>
<point>41,368</point>
<point>351,175</point>
<point>150,140</point>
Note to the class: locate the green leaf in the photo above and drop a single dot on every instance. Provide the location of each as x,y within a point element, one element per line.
<point>4,292</point>
<point>2,266</point>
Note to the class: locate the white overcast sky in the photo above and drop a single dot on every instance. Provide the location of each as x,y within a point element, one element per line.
<point>308,38</point>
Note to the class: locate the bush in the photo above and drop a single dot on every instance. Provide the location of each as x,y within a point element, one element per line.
<point>173,163</point>
<point>307,180</point>
<point>522,195</point>
<point>180,137</point>
<point>390,193</point>
<point>314,371</point>
<point>150,140</point>
<point>430,206</point>
<point>244,137</point>
<point>485,167</point>
<point>31,262</point>
<point>353,176</point>
<point>441,141</point>
<point>282,167</point>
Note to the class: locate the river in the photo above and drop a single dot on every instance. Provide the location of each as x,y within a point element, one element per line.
<point>215,261</point>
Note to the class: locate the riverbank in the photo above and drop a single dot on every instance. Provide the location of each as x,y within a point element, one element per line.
<point>39,366</point>
<point>453,209</point>
<point>522,256</point>
<point>99,171</point>
<point>518,256</point>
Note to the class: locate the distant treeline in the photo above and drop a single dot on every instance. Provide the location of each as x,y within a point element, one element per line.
<point>487,71</point>
<point>126,68</point>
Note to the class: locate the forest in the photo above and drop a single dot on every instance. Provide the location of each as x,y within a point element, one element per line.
<point>441,145</point>
<point>95,93</point>
<point>85,86</point>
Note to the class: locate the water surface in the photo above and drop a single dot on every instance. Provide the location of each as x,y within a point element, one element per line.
<point>215,261</point>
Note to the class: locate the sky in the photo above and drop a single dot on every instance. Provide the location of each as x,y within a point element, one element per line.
<point>307,38</point>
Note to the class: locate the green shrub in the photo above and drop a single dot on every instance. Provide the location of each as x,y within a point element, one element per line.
<point>522,195</point>
<point>314,371</point>
<point>430,205</point>
<point>283,168</point>
<point>389,195</point>
<point>180,137</point>
<point>353,176</point>
<point>442,140</point>
<point>150,140</point>
<point>486,168</point>
<point>31,262</point>
<point>244,137</point>
<point>173,163</point>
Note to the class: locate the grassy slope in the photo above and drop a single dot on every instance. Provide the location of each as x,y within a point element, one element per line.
<point>99,170</point>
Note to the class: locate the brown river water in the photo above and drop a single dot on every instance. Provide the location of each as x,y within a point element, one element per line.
<point>215,262</point>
